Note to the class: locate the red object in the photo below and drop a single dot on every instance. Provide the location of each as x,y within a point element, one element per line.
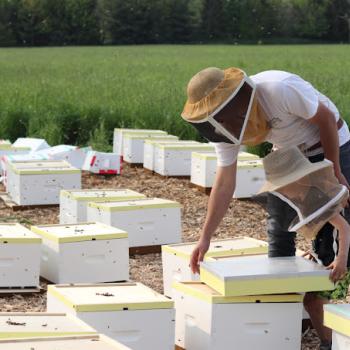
<point>92,160</point>
<point>109,172</point>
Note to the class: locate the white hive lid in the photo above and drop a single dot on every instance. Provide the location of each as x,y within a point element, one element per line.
<point>90,231</point>
<point>16,233</point>
<point>43,167</point>
<point>109,297</point>
<point>147,203</point>
<point>250,164</point>
<point>219,248</point>
<point>88,342</point>
<point>101,195</point>
<point>189,146</point>
<point>140,131</point>
<point>25,325</point>
<point>169,142</point>
<point>337,317</point>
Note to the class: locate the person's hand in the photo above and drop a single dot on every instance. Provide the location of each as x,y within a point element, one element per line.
<point>198,254</point>
<point>308,256</point>
<point>339,269</point>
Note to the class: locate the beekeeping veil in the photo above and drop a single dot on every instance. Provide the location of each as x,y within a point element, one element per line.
<point>222,106</point>
<point>311,189</point>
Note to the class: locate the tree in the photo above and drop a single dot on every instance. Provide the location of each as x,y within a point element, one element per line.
<point>7,17</point>
<point>213,20</point>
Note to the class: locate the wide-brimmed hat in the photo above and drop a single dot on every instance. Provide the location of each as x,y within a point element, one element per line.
<point>208,90</point>
<point>286,166</point>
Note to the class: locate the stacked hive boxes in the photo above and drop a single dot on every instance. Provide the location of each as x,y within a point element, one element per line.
<point>86,252</point>
<point>149,222</point>
<point>37,183</point>
<point>19,257</point>
<point>130,313</point>
<point>73,203</point>
<point>133,145</point>
<point>149,151</point>
<point>175,159</point>
<point>247,301</point>
<point>88,342</point>
<point>176,257</point>
<point>118,137</point>
<point>337,318</point>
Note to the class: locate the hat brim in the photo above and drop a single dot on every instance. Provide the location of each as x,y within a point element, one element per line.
<point>295,176</point>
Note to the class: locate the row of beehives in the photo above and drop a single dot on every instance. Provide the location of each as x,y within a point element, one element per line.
<point>168,156</point>
<point>222,311</point>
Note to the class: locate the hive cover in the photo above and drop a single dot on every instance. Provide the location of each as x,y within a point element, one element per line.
<point>100,195</point>
<point>16,233</point>
<point>337,317</point>
<point>259,274</point>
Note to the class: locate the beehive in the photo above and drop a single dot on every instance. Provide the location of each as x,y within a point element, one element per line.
<point>103,163</point>
<point>175,159</point>
<point>337,318</point>
<point>176,257</point>
<point>149,222</point>
<point>16,325</point>
<point>81,342</point>
<point>133,145</point>
<point>205,320</point>
<point>149,154</point>
<point>36,183</point>
<point>19,256</point>
<point>130,313</point>
<point>203,167</point>
<point>8,149</point>
<point>118,137</point>
<point>83,253</point>
<point>250,178</point>
<point>73,203</point>
<point>262,275</point>
<point>32,143</point>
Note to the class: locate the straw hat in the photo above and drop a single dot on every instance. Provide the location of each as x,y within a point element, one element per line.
<point>286,166</point>
<point>208,90</point>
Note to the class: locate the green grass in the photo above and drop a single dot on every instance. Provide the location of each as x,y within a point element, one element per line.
<point>79,94</point>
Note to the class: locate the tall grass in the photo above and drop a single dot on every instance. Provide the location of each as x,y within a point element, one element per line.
<point>77,95</point>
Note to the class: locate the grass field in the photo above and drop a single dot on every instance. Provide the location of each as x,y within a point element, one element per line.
<point>79,94</point>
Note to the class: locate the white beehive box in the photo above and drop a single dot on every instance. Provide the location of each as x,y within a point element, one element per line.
<point>33,143</point>
<point>205,320</point>
<point>203,167</point>
<point>38,183</point>
<point>149,154</point>
<point>337,318</point>
<point>73,203</point>
<point>74,155</point>
<point>103,163</point>
<point>175,159</point>
<point>83,253</point>
<point>250,178</point>
<point>7,150</point>
<point>15,325</point>
<point>19,256</point>
<point>130,313</point>
<point>118,137</point>
<point>176,257</point>
<point>133,145</point>
<point>149,222</point>
<point>263,275</point>
<point>80,342</point>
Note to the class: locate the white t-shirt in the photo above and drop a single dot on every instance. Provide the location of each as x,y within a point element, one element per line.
<point>289,101</point>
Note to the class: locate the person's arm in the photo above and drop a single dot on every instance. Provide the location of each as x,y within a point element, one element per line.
<point>339,265</point>
<point>219,200</point>
<point>325,120</point>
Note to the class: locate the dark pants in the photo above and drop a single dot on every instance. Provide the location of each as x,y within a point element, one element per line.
<point>282,242</point>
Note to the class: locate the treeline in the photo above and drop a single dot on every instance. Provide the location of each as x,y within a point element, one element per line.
<point>98,22</point>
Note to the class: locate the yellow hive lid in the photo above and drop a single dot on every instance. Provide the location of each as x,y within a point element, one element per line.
<point>89,231</point>
<point>147,203</point>
<point>82,342</point>
<point>151,136</point>
<point>201,291</point>
<point>109,297</point>
<point>9,147</point>
<point>16,233</point>
<point>221,248</point>
<point>247,156</point>
<point>337,317</point>
<point>170,142</point>
<point>140,131</point>
<point>250,164</point>
<point>33,167</point>
<point>40,324</point>
<point>189,146</point>
<point>205,155</point>
<point>102,195</point>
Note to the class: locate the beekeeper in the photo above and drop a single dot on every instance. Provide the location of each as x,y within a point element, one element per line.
<point>231,109</point>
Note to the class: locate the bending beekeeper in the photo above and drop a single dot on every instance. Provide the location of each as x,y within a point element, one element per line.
<point>231,109</point>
